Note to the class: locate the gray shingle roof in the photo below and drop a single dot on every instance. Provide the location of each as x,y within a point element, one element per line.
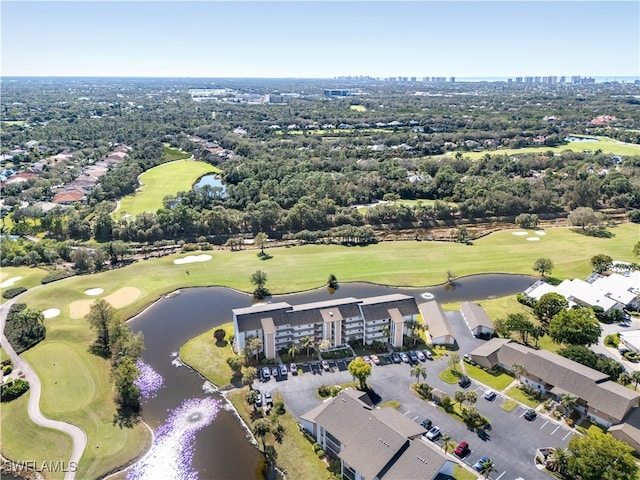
<point>475,315</point>
<point>418,462</point>
<point>377,308</point>
<point>436,320</point>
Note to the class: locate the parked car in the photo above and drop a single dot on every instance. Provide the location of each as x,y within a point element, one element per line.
<point>274,371</point>
<point>462,449</point>
<point>413,357</point>
<point>479,464</point>
<point>268,399</point>
<point>433,433</point>
<point>428,354</point>
<point>283,370</point>
<point>426,423</point>
<point>259,400</point>
<point>375,359</point>
<point>489,395</point>
<point>421,356</point>
<point>404,357</point>
<point>464,381</point>
<point>266,373</point>
<point>395,356</point>
<point>367,359</point>
<point>293,368</point>
<point>530,414</point>
<point>325,366</point>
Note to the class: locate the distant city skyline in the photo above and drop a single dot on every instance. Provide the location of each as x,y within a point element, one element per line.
<point>321,39</point>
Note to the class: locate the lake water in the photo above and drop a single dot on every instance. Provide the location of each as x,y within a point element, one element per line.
<point>211,180</point>
<point>197,435</point>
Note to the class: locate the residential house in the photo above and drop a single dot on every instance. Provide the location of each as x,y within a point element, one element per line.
<point>602,400</point>
<point>278,325</point>
<point>373,443</point>
<point>67,198</point>
<point>438,327</point>
<point>477,320</point>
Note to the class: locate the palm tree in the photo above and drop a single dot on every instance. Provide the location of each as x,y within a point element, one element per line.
<point>385,332</point>
<point>568,401</point>
<point>446,442</point>
<point>471,397</point>
<point>459,397</point>
<point>294,350</point>
<point>419,371</point>
<point>558,460</point>
<point>518,371</point>
<point>307,343</point>
<point>252,397</point>
<point>487,467</point>
<point>260,429</point>
<point>635,378</point>
<point>454,361</point>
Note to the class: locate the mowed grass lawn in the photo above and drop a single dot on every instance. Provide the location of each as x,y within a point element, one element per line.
<point>87,400</point>
<point>31,276</point>
<point>158,182</point>
<point>606,144</point>
<point>205,355</point>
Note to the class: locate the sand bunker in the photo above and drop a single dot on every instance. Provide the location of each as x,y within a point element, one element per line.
<point>118,299</point>
<point>94,291</point>
<point>540,232</point>
<point>79,308</point>
<point>10,282</point>
<point>533,239</point>
<point>192,259</point>
<point>51,313</point>
<point>123,297</point>
<point>519,233</point>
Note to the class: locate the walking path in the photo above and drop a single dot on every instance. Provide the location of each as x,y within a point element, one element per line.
<point>78,436</point>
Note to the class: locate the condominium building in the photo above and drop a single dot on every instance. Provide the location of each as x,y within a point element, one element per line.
<point>279,325</point>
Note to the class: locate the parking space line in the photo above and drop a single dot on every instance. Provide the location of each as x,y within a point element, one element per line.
<point>501,475</point>
<point>568,433</point>
<point>555,430</point>
<point>416,417</point>
<point>544,424</point>
<point>407,412</point>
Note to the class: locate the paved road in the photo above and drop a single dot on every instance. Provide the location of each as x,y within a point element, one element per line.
<point>78,436</point>
<point>511,443</point>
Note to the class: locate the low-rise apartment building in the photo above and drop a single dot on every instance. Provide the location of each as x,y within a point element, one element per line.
<point>339,321</point>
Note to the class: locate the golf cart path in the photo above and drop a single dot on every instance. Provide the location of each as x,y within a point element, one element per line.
<point>78,436</point>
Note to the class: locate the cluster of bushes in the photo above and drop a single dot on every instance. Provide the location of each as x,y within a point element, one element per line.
<point>632,356</point>
<point>56,275</point>
<point>325,391</point>
<point>13,389</point>
<point>424,390</point>
<point>24,327</point>
<point>7,367</point>
<point>525,300</point>
<point>531,392</point>
<point>13,292</point>
<point>318,449</point>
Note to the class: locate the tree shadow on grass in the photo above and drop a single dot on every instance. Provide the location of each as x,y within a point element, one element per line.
<point>599,232</point>
<point>126,416</point>
<point>221,343</point>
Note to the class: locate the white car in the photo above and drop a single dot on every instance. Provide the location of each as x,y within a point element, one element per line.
<point>421,356</point>
<point>283,370</point>
<point>294,368</point>
<point>375,359</point>
<point>266,373</point>
<point>404,357</point>
<point>433,433</point>
<point>489,395</point>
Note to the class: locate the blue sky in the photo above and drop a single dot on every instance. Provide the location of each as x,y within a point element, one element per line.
<point>320,39</point>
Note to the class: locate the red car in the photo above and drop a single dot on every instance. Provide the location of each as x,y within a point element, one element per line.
<point>462,449</point>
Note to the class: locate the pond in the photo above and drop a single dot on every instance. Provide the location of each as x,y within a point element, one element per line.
<point>214,181</point>
<point>197,434</point>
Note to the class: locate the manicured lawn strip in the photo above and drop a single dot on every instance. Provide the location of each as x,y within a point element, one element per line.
<point>509,405</point>
<point>391,403</point>
<point>496,382</point>
<point>495,308</point>
<point>519,395</point>
<point>606,144</point>
<point>165,179</point>
<point>449,376</point>
<point>202,354</point>
<point>461,473</point>
<point>50,446</point>
<point>392,263</point>
<point>295,453</point>
<point>31,276</point>
<point>171,154</point>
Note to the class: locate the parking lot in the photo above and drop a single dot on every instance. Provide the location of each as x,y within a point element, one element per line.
<point>511,442</point>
